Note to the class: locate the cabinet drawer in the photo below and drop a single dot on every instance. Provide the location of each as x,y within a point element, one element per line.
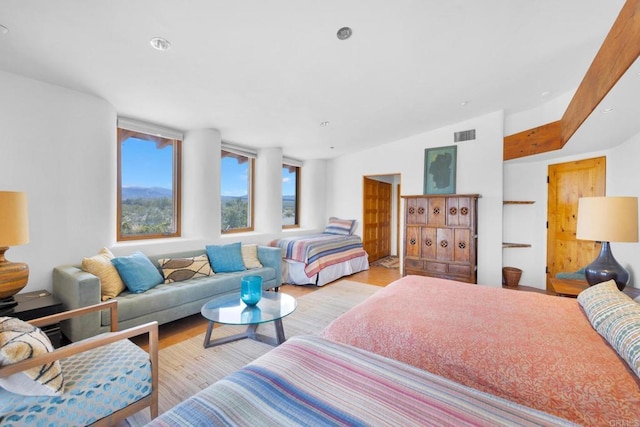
<point>440,267</point>
<point>414,264</point>
<point>464,270</point>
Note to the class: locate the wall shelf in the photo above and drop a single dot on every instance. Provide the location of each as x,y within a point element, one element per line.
<point>515,245</point>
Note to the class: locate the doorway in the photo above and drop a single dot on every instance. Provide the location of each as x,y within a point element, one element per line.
<point>381,216</point>
<point>567,183</point>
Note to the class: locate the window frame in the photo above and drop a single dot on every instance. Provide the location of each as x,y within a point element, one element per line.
<point>122,135</point>
<point>250,190</point>
<point>296,223</point>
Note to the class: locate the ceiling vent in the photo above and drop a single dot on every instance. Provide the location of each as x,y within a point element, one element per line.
<point>465,135</point>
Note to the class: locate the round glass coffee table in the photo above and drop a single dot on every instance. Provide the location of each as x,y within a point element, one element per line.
<point>230,310</point>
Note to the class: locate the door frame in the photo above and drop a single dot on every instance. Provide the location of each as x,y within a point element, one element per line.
<point>396,184</point>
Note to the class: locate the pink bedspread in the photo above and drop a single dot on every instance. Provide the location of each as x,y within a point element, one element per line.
<point>533,349</point>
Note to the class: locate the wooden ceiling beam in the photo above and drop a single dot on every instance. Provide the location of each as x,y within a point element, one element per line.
<point>618,52</point>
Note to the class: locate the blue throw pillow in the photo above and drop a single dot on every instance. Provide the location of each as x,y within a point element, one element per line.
<point>137,272</point>
<point>225,258</point>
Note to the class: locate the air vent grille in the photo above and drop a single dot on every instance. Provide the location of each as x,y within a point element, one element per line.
<point>465,135</point>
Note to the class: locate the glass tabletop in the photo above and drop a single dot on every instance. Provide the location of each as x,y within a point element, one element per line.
<point>230,310</point>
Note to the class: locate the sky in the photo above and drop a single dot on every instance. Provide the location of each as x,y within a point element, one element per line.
<point>143,165</point>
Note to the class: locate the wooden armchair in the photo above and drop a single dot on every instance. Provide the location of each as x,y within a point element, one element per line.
<point>111,354</point>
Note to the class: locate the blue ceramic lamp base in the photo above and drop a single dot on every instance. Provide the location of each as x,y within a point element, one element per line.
<point>605,268</point>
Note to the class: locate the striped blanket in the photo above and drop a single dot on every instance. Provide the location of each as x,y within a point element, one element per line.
<point>308,381</point>
<point>318,251</point>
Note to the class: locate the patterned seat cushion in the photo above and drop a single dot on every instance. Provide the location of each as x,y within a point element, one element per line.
<point>97,383</point>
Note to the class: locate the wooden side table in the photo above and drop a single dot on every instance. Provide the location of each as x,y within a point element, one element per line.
<point>571,288</point>
<point>32,305</point>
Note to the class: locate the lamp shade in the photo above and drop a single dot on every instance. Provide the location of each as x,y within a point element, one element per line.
<point>14,218</point>
<point>608,219</point>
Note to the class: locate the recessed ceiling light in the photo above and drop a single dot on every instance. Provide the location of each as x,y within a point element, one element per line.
<point>607,110</point>
<point>3,29</point>
<point>160,43</point>
<point>324,124</point>
<point>463,103</point>
<point>344,33</point>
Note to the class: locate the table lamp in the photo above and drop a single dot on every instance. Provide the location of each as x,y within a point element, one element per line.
<point>607,219</point>
<point>14,230</point>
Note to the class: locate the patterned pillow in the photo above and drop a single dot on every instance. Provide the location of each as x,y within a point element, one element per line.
<point>601,301</point>
<point>19,341</point>
<point>250,256</point>
<point>179,269</point>
<point>617,318</point>
<point>100,266</point>
<point>344,227</point>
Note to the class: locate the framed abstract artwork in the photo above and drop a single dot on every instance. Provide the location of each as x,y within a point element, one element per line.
<point>440,170</point>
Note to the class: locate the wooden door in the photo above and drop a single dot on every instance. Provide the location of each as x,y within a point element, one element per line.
<point>567,183</point>
<point>377,219</point>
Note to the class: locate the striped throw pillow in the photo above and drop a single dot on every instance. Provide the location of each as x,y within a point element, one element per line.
<point>617,318</point>
<point>340,226</point>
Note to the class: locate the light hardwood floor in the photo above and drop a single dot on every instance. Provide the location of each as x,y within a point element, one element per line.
<point>183,329</point>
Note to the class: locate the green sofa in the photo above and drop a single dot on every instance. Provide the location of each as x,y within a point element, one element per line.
<point>163,303</point>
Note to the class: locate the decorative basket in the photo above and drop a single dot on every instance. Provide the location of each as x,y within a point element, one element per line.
<point>511,276</point>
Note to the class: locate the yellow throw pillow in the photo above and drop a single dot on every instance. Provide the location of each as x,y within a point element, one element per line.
<point>100,266</point>
<point>250,256</point>
<point>19,341</point>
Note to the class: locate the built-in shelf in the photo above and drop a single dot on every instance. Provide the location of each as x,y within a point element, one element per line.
<point>518,202</point>
<point>515,245</point>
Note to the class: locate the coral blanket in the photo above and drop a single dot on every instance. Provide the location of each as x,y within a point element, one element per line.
<point>534,349</point>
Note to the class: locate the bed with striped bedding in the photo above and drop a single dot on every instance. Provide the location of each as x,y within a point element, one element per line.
<point>318,252</point>
<point>312,381</point>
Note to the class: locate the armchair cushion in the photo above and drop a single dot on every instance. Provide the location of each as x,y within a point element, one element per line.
<point>19,341</point>
<point>94,389</point>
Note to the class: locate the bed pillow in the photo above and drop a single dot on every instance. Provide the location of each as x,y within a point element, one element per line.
<point>19,341</point>
<point>344,227</point>
<point>618,320</point>
<point>250,256</point>
<point>180,269</point>
<point>225,258</point>
<point>601,301</point>
<point>137,272</point>
<point>100,266</point>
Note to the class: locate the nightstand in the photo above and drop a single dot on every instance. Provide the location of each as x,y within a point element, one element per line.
<point>32,305</point>
<point>571,288</point>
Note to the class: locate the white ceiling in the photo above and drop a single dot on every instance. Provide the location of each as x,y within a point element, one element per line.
<point>267,73</point>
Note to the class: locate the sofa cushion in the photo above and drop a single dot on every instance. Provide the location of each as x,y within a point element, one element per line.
<point>137,272</point>
<point>250,256</point>
<point>180,269</point>
<point>226,258</point>
<point>167,296</point>
<point>19,341</point>
<point>101,266</point>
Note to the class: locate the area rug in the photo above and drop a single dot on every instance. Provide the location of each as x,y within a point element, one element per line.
<point>387,262</point>
<point>186,368</point>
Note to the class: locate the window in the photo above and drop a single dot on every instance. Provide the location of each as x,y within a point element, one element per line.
<point>290,196</point>
<point>236,189</point>
<point>148,186</point>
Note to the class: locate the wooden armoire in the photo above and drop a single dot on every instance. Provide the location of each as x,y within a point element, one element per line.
<point>440,236</point>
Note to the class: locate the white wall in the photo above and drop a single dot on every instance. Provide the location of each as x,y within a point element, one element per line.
<point>59,146</point>
<point>527,224</point>
<point>479,170</point>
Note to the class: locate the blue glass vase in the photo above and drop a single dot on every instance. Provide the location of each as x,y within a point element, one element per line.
<point>251,289</point>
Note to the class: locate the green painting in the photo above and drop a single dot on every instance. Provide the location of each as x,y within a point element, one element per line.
<point>440,170</point>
